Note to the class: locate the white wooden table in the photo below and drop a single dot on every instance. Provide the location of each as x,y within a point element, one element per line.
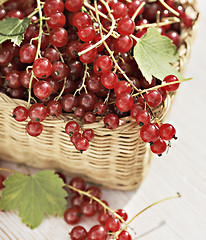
<point>182,170</point>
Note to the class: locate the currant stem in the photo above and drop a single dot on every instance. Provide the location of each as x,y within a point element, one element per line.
<point>107,36</point>
<point>138,10</point>
<point>83,80</point>
<point>39,7</point>
<point>160,86</point>
<point>169,8</point>
<point>163,200</point>
<point>95,199</point>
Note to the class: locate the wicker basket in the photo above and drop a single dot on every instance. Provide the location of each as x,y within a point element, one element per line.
<point>116,158</point>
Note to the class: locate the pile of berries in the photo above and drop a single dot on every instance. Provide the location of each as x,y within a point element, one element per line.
<point>69,65</point>
<point>108,224</point>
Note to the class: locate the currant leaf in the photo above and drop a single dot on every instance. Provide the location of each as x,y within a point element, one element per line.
<point>154,54</point>
<point>13,29</point>
<point>34,196</point>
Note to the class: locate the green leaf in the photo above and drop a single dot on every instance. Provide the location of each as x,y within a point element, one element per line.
<point>154,54</point>
<point>13,29</point>
<point>34,196</point>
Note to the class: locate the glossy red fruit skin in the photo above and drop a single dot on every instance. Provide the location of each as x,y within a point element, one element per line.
<point>124,102</point>
<point>37,112</point>
<point>113,224</point>
<point>123,43</point>
<point>94,191</point>
<point>88,209</point>
<point>52,55</point>
<point>172,87</point>
<point>88,134</point>
<point>51,6</point>
<point>42,68</point>
<point>136,108</point>
<point>111,121</point>
<point>99,108</point>
<point>71,128</point>
<point>126,26</point>
<point>42,89</point>
<point>122,213</point>
<point>97,232</point>
<point>167,131</point>
<point>122,87</point>
<point>54,108</point>
<point>90,55</point>
<point>13,79</point>
<point>78,233</point>
<point>159,146</point>
<point>174,36</point>
<point>87,101</point>
<point>27,53</point>
<point>69,102</point>
<point>78,183</point>
<point>82,144</point>
<point>102,64</point>
<point>109,80</point>
<point>72,215</point>
<point>149,132</point>
<point>59,37</point>
<point>60,70</point>
<point>73,6</point>
<point>103,217</point>
<point>124,235</point>
<point>86,33</point>
<point>57,19</point>
<point>153,98</point>
<point>25,79</point>
<point>34,129</point>
<point>74,137</point>
<point>89,117</point>
<point>119,10</point>
<point>20,114</point>
<point>143,117</point>
<point>81,19</point>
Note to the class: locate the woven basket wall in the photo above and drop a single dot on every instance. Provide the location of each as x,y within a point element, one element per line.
<point>116,158</point>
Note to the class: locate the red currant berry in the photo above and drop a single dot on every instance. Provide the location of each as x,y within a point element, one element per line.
<point>102,64</point>
<point>60,70</point>
<point>87,101</point>
<point>34,129</point>
<point>103,217</point>
<point>89,117</point>
<point>97,232</point>
<point>153,98</point>
<point>143,117</point>
<point>52,55</point>
<point>37,112</point>
<point>42,89</point>
<point>122,213</point>
<point>174,36</point>
<point>74,137</point>
<point>78,233</point>
<point>42,68</point>
<point>172,87</point>
<point>69,102</point>
<point>89,56</point>
<point>149,132</point>
<point>54,108</point>
<point>119,10</point>
<point>124,102</point>
<point>57,19</point>
<point>77,200</point>
<point>113,224</point>
<point>27,53</point>
<point>20,114</point>
<point>136,108</point>
<point>111,121</point>
<point>86,33</point>
<point>51,6</point>
<point>159,146</point>
<point>109,80</point>
<point>99,108</point>
<point>124,235</point>
<point>71,128</point>
<point>123,43</point>
<point>25,79</point>
<point>82,144</point>
<point>59,37</point>
<point>78,183</point>
<point>126,26</point>
<point>94,191</point>
<point>72,215</point>
<point>122,87</point>
<point>81,19</point>
<point>88,134</point>
<point>167,131</point>
<point>73,6</point>
<point>88,209</point>
<point>13,79</point>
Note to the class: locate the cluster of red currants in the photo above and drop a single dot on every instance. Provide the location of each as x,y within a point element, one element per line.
<point>74,71</point>
<point>85,206</point>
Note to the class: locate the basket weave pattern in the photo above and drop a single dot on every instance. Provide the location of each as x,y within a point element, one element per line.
<point>116,158</point>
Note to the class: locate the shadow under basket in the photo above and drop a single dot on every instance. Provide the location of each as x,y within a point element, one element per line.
<point>116,159</point>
